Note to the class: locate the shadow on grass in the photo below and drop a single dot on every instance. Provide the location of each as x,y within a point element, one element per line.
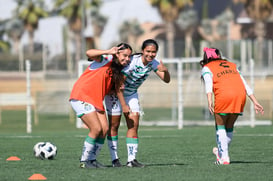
<point>152,165</point>
<point>163,164</point>
<point>240,162</point>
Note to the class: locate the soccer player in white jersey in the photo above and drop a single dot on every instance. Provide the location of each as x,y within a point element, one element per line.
<point>135,74</point>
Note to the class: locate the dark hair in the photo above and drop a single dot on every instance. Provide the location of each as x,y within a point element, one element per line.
<point>116,67</point>
<point>147,43</point>
<point>206,60</point>
<point>124,46</point>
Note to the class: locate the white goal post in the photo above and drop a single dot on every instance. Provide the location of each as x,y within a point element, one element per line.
<point>21,99</point>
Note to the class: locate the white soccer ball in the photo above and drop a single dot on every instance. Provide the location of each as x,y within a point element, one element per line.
<point>45,150</point>
<point>37,150</point>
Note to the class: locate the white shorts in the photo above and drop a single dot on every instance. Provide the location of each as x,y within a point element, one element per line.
<point>113,105</point>
<point>81,107</point>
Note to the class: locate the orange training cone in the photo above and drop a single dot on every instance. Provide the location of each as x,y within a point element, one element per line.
<point>37,176</point>
<point>13,158</point>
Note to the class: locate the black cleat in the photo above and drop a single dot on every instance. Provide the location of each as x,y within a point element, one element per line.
<point>86,164</point>
<point>116,163</point>
<point>91,164</point>
<point>134,163</point>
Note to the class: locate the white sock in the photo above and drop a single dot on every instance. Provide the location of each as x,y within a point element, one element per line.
<point>97,150</point>
<point>88,149</point>
<point>222,144</point>
<point>229,135</point>
<point>98,146</point>
<point>113,146</point>
<point>132,147</point>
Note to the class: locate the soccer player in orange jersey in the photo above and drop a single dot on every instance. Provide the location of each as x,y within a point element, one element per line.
<point>102,76</point>
<point>223,80</point>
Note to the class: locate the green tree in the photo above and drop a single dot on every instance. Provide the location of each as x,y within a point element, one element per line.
<point>259,11</point>
<point>187,21</point>
<point>30,12</point>
<point>15,29</point>
<point>98,21</point>
<point>130,31</point>
<point>75,12</point>
<point>4,46</point>
<point>169,11</point>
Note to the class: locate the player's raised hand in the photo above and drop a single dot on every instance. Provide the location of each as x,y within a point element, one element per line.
<point>161,67</point>
<point>114,50</point>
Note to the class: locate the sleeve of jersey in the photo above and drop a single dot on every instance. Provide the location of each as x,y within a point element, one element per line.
<point>155,64</point>
<point>249,91</point>
<point>207,76</point>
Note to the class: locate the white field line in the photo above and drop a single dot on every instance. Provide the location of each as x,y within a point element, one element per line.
<point>202,123</point>
<point>250,135</point>
<point>23,136</point>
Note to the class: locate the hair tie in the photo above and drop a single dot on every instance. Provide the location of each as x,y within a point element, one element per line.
<point>210,52</point>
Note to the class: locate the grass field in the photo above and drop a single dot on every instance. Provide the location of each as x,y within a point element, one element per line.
<point>169,154</point>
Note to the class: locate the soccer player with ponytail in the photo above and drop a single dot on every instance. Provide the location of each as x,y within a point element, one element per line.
<point>102,76</point>
<point>226,85</point>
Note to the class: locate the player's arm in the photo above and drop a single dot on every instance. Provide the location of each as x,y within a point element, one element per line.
<point>210,103</point>
<point>207,77</point>
<point>258,108</point>
<point>163,73</point>
<point>95,54</point>
<point>125,107</point>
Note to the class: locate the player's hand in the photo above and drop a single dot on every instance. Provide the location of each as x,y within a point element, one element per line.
<point>122,87</point>
<point>211,109</point>
<point>126,110</point>
<point>259,108</point>
<point>161,67</point>
<point>115,50</point>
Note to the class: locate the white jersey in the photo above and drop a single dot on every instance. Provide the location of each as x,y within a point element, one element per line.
<point>136,73</point>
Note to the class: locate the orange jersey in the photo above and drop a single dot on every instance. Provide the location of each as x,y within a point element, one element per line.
<point>93,85</point>
<point>228,87</point>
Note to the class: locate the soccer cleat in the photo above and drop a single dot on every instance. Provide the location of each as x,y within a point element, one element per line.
<point>97,164</point>
<point>116,163</point>
<point>225,161</point>
<point>86,164</point>
<point>134,163</point>
<point>220,161</point>
<point>91,164</point>
<point>215,152</point>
